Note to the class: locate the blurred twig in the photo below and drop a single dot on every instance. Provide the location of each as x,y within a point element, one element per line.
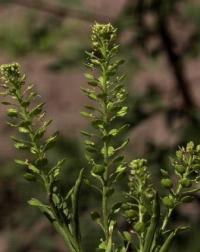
<point>62,12</point>
<point>174,58</point>
<point>138,9</point>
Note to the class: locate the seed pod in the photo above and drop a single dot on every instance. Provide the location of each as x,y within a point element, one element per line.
<point>131,214</point>
<point>139,227</point>
<point>180,169</point>
<point>167,183</point>
<point>186,182</point>
<point>168,202</point>
<point>127,236</point>
<point>98,170</point>
<point>143,209</point>
<point>29,177</point>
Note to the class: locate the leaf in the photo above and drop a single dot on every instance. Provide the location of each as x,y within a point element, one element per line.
<point>90,107</point>
<point>23,130</point>
<point>85,133</point>
<point>116,207</point>
<point>90,93</point>
<point>33,168</point>
<point>37,203</point>
<point>116,132</point>
<point>168,242</point>
<point>75,210</point>
<point>51,141</point>
<point>91,80</point>
<point>154,224</point>
<point>91,149</point>
<point>122,112</point>
<point>12,112</point>
<point>87,115</point>
<point>43,208</point>
<point>21,146</point>
<point>90,143</point>
<point>122,145</point>
<point>55,171</point>
<point>20,162</point>
<point>40,132</point>
<point>37,110</point>
<point>164,173</point>
<point>6,103</point>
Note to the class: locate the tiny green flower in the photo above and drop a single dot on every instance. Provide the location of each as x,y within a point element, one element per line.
<point>167,183</point>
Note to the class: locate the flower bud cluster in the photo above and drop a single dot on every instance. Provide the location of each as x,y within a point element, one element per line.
<point>137,209</point>
<point>10,74</point>
<point>187,168</point>
<point>102,33</point>
<point>139,179</point>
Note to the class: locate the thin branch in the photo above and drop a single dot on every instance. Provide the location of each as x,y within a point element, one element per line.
<point>174,58</point>
<point>62,12</point>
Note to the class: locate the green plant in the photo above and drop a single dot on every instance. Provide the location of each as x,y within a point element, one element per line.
<point>146,209</point>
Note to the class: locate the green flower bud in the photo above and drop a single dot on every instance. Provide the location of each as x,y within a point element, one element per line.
<point>98,170</point>
<point>190,146</point>
<point>139,227</point>
<point>130,214</point>
<point>186,182</point>
<point>179,154</point>
<point>198,148</point>
<point>143,209</point>
<point>167,183</point>
<point>102,31</point>
<point>168,202</point>
<point>10,73</point>
<point>149,195</point>
<point>180,169</point>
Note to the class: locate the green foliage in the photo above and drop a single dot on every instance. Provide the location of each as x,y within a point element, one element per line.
<point>28,116</point>
<point>103,147</point>
<point>146,209</point>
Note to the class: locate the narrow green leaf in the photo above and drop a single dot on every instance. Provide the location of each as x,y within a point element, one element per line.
<point>87,115</point>
<point>12,112</point>
<point>75,210</point>
<point>21,146</point>
<point>51,141</point>
<point>23,130</point>
<point>21,162</point>
<point>154,225</point>
<point>37,110</point>
<point>33,168</point>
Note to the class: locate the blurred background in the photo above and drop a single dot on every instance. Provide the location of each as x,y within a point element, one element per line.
<point>160,42</point>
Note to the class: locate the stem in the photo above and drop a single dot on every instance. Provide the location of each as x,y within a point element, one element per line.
<point>61,228</point>
<point>179,188</point>
<point>105,182</point>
